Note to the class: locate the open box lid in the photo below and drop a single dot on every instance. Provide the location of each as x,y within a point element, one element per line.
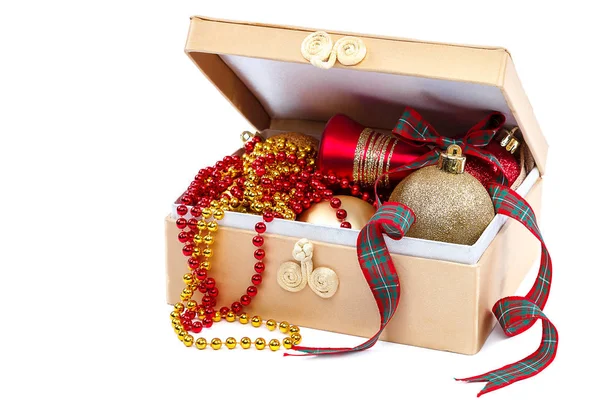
<point>260,69</point>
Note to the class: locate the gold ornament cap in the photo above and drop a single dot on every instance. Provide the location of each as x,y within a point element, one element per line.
<point>452,161</point>
<point>508,139</point>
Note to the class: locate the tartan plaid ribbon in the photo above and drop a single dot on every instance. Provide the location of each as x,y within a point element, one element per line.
<point>411,127</point>
<point>517,314</point>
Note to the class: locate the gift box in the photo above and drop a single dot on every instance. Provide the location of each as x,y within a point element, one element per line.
<point>448,290</point>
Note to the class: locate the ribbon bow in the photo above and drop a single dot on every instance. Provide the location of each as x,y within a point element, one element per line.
<point>411,127</point>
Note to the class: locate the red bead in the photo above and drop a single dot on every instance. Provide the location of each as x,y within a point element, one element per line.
<point>355,190</point>
<point>259,254</point>
<point>182,210</point>
<point>341,213</point>
<point>181,223</point>
<point>207,322</point>
<point>245,300</point>
<point>187,250</point>
<point>193,263</point>
<point>260,227</point>
<point>196,211</point>
<point>335,202</point>
<point>306,203</point>
<point>297,208</point>
<point>327,194</point>
<point>256,279</point>
<point>258,240</point>
<point>236,307</point>
<point>252,291</point>
<point>224,310</point>
<point>192,223</point>
<point>201,274</point>
<point>259,267</point>
<point>210,283</point>
<point>202,288</point>
<point>214,292</point>
<point>268,216</point>
<point>186,200</point>
<point>187,324</point>
<point>366,196</point>
<point>346,224</point>
<point>209,311</point>
<point>183,237</point>
<point>345,183</point>
<point>280,156</point>
<point>189,314</point>
<point>292,158</point>
<point>206,300</point>
<point>260,171</point>
<point>249,147</point>
<point>196,327</point>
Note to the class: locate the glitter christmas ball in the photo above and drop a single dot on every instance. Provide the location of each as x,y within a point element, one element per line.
<point>449,207</point>
<point>486,173</point>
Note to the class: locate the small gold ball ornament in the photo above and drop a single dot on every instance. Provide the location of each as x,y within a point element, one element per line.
<point>449,204</point>
<point>359,213</point>
<point>300,140</point>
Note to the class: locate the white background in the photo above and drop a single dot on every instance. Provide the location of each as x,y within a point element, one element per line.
<point>103,120</point>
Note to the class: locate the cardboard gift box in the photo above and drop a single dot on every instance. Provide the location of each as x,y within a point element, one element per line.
<point>448,290</point>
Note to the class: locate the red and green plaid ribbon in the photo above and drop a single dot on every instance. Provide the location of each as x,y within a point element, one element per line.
<point>515,314</point>
<point>413,128</point>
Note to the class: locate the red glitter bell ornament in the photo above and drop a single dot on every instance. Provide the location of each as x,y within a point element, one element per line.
<point>362,154</point>
<point>503,150</point>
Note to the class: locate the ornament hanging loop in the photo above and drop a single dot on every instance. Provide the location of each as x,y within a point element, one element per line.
<point>452,161</point>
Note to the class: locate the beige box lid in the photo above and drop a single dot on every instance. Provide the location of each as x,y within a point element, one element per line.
<point>259,68</point>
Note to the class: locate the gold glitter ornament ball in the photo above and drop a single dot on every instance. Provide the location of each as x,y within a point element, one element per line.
<point>449,206</point>
<point>299,139</point>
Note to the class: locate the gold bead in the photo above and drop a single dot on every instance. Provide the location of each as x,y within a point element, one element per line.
<point>284,327</point>
<point>234,202</point>
<point>216,343</point>
<point>205,265</point>
<point>230,317</point>
<point>256,321</point>
<point>207,252</point>
<point>294,329</point>
<point>245,342</point>
<point>208,239</point>
<point>197,239</point>
<point>287,342</point>
<point>274,344</point>
<point>181,334</point>
<point>175,323</point>
<point>196,253</point>
<point>243,318</point>
<point>201,343</point>
<point>296,338</point>
<point>188,278</point>
<point>192,305</point>
<point>271,324</point>
<point>217,316</point>
<point>260,343</point>
<point>186,294</point>
<point>202,225</point>
<point>212,226</point>
<point>289,215</point>
<point>178,307</point>
<point>219,214</point>
<point>301,155</point>
<point>206,213</point>
<point>188,340</point>
<point>257,207</point>
<point>201,312</point>
<point>230,343</point>
<point>175,315</point>
<point>214,203</point>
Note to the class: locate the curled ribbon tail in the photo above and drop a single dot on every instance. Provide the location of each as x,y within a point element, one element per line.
<point>516,314</point>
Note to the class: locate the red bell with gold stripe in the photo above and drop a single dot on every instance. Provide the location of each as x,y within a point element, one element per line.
<point>363,154</point>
